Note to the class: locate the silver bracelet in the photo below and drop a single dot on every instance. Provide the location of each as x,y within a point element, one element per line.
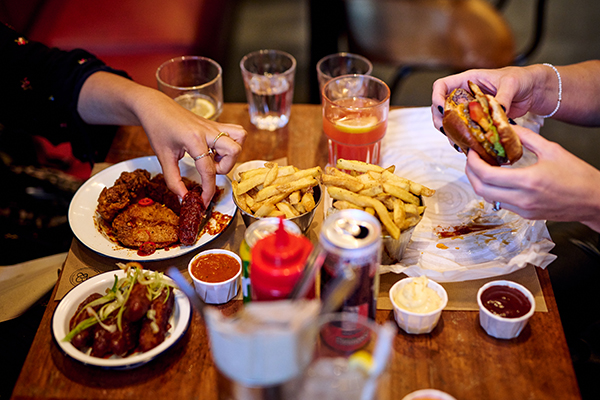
<point>559,91</point>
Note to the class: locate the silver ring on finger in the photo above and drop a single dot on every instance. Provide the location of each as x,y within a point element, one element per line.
<point>210,152</point>
<point>497,206</point>
<point>217,138</point>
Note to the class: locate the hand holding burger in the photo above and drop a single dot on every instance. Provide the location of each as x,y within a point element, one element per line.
<point>477,121</point>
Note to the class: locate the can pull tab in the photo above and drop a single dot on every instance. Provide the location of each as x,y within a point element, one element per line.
<point>352,228</point>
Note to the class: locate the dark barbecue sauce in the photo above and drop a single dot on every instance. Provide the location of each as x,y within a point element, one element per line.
<point>505,301</point>
<point>461,230</point>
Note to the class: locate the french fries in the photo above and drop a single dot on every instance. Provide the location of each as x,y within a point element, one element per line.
<point>393,200</point>
<point>277,190</point>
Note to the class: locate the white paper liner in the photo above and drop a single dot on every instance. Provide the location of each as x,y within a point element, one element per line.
<point>421,153</point>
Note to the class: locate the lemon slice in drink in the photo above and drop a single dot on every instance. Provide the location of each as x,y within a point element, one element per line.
<point>356,124</point>
<point>361,360</point>
<point>203,108</point>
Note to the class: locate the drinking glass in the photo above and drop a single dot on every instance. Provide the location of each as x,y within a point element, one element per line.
<point>195,83</point>
<point>338,64</point>
<point>344,360</point>
<point>269,82</point>
<point>355,114</point>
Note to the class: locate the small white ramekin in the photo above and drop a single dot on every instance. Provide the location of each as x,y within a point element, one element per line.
<point>247,166</point>
<point>417,323</point>
<point>217,292</point>
<point>428,394</point>
<point>500,327</point>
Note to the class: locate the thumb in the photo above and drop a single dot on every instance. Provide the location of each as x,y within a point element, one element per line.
<point>530,140</point>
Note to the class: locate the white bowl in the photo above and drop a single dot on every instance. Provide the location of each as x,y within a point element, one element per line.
<point>428,394</point>
<point>247,166</point>
<point>217,292</point>
<point>417,323</point>
<point>501,327</point>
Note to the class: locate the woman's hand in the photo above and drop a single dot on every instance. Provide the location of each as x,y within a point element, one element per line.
<point>173,131</point>
<point>559,186</point>
<point>513,87</point>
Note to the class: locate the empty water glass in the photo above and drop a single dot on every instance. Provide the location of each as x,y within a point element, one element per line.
<point>339,64</point>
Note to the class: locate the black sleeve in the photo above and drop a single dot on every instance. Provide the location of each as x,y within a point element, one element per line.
<point>39,90</point>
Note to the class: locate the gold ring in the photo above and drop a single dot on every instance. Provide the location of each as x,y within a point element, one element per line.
<point>210,152</point>
<point>217,138</point>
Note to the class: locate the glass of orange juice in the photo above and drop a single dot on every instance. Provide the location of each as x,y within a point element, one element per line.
<point>355,113</point>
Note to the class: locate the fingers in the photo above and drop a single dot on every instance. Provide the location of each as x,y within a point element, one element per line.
<point>438,98</point>
<point>173,177</point>
<point>228,147</point>
<point>236,132</point>
<point>531,140</point>
<point>207,171</point>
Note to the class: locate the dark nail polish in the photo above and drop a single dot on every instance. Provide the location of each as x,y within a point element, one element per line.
<point>441,110</point>
<point>442,130</point>
<point>504,108</point>
<point>457,148</point>
<point>512,121</point>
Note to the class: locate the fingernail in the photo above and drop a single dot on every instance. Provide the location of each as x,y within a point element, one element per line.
<point>504,108</point>
<point>441,110</point>
<point>457,148</point>
<point>512,121</point>
<point>442,130</point>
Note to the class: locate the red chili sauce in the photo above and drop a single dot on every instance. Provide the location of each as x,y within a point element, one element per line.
<point>505,301</point>
<point>214,267</point>
<point>146,249</point>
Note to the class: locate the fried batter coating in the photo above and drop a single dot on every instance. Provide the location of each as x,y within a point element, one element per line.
<point>139,224</point>
<point>112,200</point>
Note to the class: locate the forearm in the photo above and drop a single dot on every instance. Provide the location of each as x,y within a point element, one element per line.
<point>109,99</point>
<point>580,87</point>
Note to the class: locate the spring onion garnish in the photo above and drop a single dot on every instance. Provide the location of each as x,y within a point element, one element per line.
<point>116,298</point>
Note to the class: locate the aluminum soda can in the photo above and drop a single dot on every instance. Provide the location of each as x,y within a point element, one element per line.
<point>256,231</point>
<point>352,239</point>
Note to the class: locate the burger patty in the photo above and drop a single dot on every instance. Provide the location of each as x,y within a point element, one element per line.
<point>139,224</point>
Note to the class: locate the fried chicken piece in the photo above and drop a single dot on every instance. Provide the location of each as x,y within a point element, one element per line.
<point>129,187</point>
<point>136,182</point>
<point>112,200</point>
<point>159,192</point>
<point>153,223</point>
<point>154,329</point>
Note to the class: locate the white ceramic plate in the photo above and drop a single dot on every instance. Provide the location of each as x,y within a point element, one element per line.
<point>180,321</point>
<point>82,210</point>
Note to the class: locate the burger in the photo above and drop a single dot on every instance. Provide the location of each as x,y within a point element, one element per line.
<point>476,121</point>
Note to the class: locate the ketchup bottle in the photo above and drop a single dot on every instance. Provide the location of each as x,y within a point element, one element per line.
<point>277,263</point>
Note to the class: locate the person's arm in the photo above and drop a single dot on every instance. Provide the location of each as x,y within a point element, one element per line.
<point>172,130</point>
<point>580,93</point>
<point>533,88</point>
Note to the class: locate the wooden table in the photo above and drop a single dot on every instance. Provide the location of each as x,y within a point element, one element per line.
<point>458,357</point>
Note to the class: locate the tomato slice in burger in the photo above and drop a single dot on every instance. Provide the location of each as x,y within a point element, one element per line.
<point>478,115</point>
<point>476,111</point>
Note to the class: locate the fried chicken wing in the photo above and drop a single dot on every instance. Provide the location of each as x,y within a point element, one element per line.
<point>152,223</point>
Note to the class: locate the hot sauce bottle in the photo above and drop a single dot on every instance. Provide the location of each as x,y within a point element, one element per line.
<point>277,262</point>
